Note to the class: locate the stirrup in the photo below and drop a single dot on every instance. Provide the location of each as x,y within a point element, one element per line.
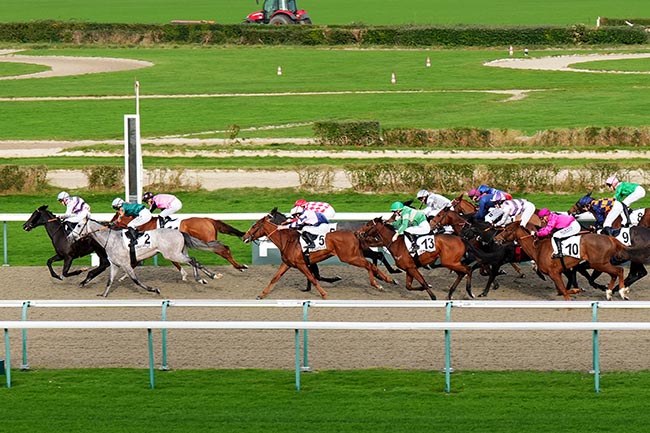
<point>557,256</point>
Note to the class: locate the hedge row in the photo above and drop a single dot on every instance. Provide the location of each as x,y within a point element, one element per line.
<point>252,34</point>
<point>453,178</point>
<point>368,134</point>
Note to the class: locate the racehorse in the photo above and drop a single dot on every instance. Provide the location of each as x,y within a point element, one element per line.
<point>451,250</point>
<point>598,250</point>
<point>172,244</point>
<point>65,249</point>
<point>509,253</point>
<point>462,206</point>
<point>341,243</point>
<point>205,229</point>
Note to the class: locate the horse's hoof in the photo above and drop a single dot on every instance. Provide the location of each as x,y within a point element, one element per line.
<point>202,281</point>
<point>218,276</point>
<point>395,282</point>
<point>305,289</point>
<point>624,292</point>
<point>608,295</point>
<point>156,291</point>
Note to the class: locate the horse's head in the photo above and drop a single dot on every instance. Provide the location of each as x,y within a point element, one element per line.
<point>581,205</point>
<point>511,233</point>
<point>39,217</point>
<point>258,230</point>
<point>442,218</point>
<point>369,233</point>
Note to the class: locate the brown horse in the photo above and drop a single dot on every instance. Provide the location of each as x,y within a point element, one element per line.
<point>643,220</point>
<point>450,249</point>
<point>598,250</point>
<point>462,206</point>
<point>341,243</point>
<point>205,229</point>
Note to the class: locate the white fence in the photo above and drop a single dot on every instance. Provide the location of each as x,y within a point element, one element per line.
<point>447,326</point>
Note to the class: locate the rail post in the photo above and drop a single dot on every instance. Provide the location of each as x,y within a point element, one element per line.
<point>305,350</point>
<point>448,368</point>
<point>7,359</point>
<point>4,243</point>
<point>595,351</point>
<point>151,362</point>
<point>25,364</point>
<point>163,338</point>
<point>297,344</point>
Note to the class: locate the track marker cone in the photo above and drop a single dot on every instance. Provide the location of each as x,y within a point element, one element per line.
<point>393,80</point>
<point>279,70</point>
<point>428,62</point>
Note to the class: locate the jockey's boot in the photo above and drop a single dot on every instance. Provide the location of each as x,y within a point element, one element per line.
<point>309,238</point>
<point>626,212</point>
<point>559,254</point>
<point>414,244</point>
<point>132,233</point>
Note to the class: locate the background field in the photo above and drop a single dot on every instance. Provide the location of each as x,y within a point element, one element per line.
<point>524,12</point>
<point>449,94</point>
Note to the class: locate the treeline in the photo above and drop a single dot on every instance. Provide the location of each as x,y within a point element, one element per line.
<point>311,35</point>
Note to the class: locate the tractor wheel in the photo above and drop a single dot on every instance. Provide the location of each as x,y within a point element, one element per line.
<point>280,20</point>
<point>305,21</point>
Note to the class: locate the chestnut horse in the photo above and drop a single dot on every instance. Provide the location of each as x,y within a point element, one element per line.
<point>205,229</point>
<point>462,206</point>
<point>598,250</point>
<point>341,243</point>
<point>451,250</point>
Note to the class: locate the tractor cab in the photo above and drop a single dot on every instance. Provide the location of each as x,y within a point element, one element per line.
<point>279,12</point>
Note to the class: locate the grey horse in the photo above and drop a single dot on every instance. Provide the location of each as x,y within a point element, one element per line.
<point>172,244</point>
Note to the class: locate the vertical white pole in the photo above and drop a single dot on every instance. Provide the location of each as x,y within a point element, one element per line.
<point>137,98</point>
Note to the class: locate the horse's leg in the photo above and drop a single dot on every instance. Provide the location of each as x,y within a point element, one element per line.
<point>51,260</point>
<point>313,267</point>
<point>67,263</point>
<point>180,269</point>
<point>224,251</point>
<point>517,269</point>
<point>637,271</point>
<point>111,276</point>
<point>556,276</point>
<point>195,270</point>
<point>615,272</point>
<point>379,256</point>
<point>494,271</point>
<point>372,271</point>
<point>103,264</point>
<point>208,272</point>
<point>459,277</point>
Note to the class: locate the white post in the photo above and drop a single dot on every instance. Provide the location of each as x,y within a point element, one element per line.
<point>137,98</point>
<point>132,159</point>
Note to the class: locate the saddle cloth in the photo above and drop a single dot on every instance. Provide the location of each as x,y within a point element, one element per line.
<point>571,246</point>
<point>425,244</point>
<point>171,224</point>
<point>142,241</point>
<point>321,231</point>
<point>624,236</point>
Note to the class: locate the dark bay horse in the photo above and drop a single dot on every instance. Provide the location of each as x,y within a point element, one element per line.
<point>462,206</point>
<point>450,249</point>
<point>341,243</point>
<point>598,250</point>
<point>65,249</point>
<point>205,229</point>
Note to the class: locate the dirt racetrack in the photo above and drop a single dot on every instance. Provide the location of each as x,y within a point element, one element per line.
<point>471,350</point>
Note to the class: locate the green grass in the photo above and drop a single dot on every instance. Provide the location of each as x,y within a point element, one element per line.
<point>10,69</point>
<point>509,12</point>
<point>119,400</point>
<point>633,65</point>
<point>441,98</point>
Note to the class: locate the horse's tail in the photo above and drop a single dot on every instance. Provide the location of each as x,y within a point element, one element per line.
<point>484,257</point>
<point>226,229</point>
<point>198,244</point>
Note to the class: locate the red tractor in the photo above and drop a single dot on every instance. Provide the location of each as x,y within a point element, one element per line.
<point>279,12</point>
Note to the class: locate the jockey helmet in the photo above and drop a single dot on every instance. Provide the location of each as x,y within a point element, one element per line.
<point>117,203</point>
<point>300,202</point>
<point>422,193</point>
<point>297,210</point>
<point>543,212</point>
<point>611,181</point>
<point>473,193</point>
<point>398,205</point>
<point>499,196</point>
<point>484,189</point>
<point>585,201</point>
<point>147,196</point>
<point>62,196</point>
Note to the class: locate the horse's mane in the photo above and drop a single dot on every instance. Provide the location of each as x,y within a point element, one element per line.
<point>277,217</point>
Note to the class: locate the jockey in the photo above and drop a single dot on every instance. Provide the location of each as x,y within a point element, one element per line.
<point>168,204</point>
<point>434,202</point>
<point>137,210</point>
<point>409,222</point>
<point>76,210</point>
<point>484,189</point>
<point>303,219</point>
<point>600,209</point>
<point>474,194</point>
<point>317,206</point>
<point>485,203</point>
<point>627,193</point>
<point>507,210</point>
<point>562,226</point>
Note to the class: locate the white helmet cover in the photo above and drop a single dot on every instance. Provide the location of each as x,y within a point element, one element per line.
<point>422,193</point>
<point>62,195</point>
<point>117,202</point>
